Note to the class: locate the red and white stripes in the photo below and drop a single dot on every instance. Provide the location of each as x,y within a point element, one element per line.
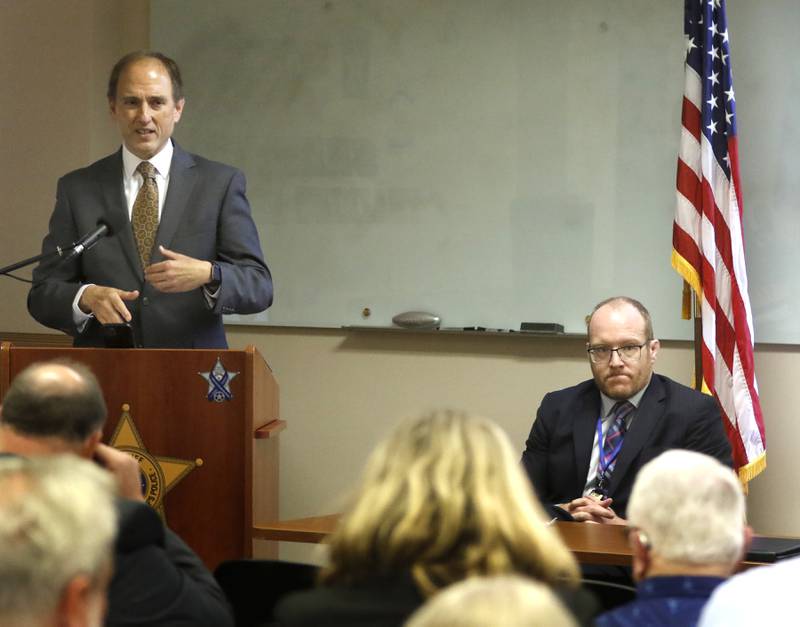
<point>708,252</point>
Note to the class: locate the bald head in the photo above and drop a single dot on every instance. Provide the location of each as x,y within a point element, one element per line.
<point>58,399</point>
<point>55,378</point>
<point>621,302</point>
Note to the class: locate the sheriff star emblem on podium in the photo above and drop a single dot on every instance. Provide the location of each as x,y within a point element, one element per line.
<point>219,382</point>
<point>159,474</point>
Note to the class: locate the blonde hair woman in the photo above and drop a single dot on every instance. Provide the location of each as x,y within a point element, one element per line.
<point>443,498</point>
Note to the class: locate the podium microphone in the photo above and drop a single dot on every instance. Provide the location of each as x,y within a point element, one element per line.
<point>87,241</point>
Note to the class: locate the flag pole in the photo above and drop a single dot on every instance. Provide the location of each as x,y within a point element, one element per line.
<point>690,310</point>
<point>698,344</point>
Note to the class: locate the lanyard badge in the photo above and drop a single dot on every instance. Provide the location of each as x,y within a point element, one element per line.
<point>600,491</point>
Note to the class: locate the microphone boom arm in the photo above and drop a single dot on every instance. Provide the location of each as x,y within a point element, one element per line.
<point>66,254</point>
<point>58,252</point>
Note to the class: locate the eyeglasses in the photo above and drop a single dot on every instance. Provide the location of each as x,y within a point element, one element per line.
<point>602,354</point>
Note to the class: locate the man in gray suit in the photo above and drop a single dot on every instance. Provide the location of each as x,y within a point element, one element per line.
<point>183,248</point>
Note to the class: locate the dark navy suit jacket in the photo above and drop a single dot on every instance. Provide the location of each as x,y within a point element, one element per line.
<point>158,579</point>
<point>670,415</point>
<point>205,215</point>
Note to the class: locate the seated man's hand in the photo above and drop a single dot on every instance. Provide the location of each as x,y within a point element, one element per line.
<point>124,468</point>
<point>106,303</point>
<point>588,509</point>
<point>178,273</point>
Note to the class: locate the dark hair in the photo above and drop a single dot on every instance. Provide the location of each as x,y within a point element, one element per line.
<point>170,65</point>
<point>648,322</point>
<point>54,408</point>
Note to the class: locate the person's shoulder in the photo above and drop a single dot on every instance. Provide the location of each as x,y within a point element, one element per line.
<point>769,580</point>
<point>381,600</point>
<point>683,393</point>
<point>581,603</point>
<point>763,578</point>
<point>672,610</point>
<point>732,601</point>
<point>337,606</point>
<point>574,391</point>
<point>306,606</point>
<point>114,160</point>
<point>204,164</point>
<point>139,526</point>
<point>619,616</point>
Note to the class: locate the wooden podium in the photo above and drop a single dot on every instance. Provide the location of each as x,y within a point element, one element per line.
<point>204,426</point>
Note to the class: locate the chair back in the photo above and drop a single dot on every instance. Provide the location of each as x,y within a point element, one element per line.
<point>254,587</point>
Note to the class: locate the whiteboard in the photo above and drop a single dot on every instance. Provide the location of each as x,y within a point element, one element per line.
<point>489,161</point>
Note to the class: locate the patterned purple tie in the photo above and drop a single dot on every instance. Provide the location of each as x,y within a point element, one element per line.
<point>613,440</point>
<point>144,217</point>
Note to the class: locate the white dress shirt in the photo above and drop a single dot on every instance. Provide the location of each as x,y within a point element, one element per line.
<point>607,407</point>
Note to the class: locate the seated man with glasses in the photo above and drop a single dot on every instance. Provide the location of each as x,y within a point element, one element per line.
<point>589,441</point>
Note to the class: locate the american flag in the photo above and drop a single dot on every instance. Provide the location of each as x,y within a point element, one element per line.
<point>707,240</point>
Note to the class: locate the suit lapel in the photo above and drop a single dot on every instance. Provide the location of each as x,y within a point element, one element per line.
<point>182,178</point>
<point>117,209</point>
<point>644,426</point>
<point>587,411</point>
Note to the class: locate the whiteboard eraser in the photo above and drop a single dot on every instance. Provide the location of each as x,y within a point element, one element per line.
<point>417,320</point>
<point>541,327</point>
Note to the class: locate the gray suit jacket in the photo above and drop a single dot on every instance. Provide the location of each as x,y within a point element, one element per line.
<point>206,216</point>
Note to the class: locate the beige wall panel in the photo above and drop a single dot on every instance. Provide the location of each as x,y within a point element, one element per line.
<point>55,62</point>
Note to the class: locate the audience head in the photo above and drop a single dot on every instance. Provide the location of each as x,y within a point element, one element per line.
<point>622,349</point>
<point>444,497</point>
<point>508,600</point>
<point>58,401</point>
<point>688,515</point>
<point>57,527</point>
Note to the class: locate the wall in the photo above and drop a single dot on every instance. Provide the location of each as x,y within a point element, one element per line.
<point>339,392</point>
<point>55,62</point>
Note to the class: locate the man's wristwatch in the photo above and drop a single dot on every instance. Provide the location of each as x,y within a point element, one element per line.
<point>216,276</point>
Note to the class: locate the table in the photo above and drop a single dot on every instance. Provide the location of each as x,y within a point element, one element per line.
<point>591,544</point>
<point>313,529</point>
